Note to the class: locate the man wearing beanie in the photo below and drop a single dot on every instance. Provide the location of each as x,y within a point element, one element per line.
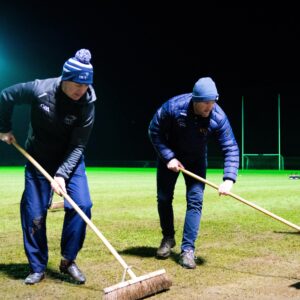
<point>179,132</point>
<point>62,117</point>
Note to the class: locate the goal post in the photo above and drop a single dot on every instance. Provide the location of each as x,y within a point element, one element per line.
<point>268,158</point>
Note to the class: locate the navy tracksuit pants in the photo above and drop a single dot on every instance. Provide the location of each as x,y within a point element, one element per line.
<point>166,180</point>
<point>34,206</point>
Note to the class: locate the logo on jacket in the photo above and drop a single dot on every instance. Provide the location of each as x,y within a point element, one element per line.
<point>203,131</point>
<point>45,107</point>
<point>181,121</point>
<point>69,119</point>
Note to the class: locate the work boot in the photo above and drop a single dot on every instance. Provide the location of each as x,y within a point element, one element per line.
<point>70,268</point>
<point>187,259</point>
<point>34,278</point>
<point>165,247</point>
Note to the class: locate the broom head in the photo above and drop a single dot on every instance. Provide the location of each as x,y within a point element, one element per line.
<point>57,205</point>
<point>139,287</point>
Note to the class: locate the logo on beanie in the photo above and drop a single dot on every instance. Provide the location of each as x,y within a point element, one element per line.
<point>84,76</point>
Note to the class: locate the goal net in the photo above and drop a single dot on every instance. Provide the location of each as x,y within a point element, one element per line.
<point>263,161</point>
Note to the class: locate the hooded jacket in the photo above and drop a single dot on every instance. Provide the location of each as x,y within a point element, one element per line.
<point>176,132</point>
<point>59,127</point>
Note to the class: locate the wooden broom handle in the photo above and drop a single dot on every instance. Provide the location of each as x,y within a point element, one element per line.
<point>241,199</point>
<point>78,210</point>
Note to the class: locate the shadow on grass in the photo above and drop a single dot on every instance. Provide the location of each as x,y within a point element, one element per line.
<point>15,271</point>
<point>288,232</point>
<point>279,275</point>
<point>20,271</point>
<point>140,251</point>
<point>296,285</point>
<point>56,210</point>
<point>151,252</point>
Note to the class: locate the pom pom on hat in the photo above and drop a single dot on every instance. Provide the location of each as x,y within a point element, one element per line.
<point>83,56</point>
<point>205,90</point>
<point>79,68</point>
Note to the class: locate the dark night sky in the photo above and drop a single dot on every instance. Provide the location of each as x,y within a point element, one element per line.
<point>144,53</point>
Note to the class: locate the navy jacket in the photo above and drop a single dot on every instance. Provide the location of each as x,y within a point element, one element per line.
<point>59,127</point>
<point>176,132</point>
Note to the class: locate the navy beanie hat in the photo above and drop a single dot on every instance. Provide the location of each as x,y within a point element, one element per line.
<point>205,90</point>
<point>79,69</point>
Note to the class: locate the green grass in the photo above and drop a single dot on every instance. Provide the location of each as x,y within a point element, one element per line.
<point>242,253</point>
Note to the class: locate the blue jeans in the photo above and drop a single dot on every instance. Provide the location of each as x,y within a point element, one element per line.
<point>166,181</point>
<point>34,206</point>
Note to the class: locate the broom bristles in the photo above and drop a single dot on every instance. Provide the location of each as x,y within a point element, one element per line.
<point>139,287</point>
<point>56,205</point>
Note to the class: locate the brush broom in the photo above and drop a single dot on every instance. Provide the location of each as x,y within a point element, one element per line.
<point>268,213</point>
<point>132,289</point>
<point>56,205</point>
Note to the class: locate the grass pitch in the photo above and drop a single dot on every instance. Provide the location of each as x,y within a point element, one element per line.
<point>242,253</point>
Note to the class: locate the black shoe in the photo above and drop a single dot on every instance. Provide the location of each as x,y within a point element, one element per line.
<point>34,278</point>
<point>70,268</point>
<point>165,247</point>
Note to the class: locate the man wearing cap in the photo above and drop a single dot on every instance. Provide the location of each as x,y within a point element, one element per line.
<point>62,117</point>
<point>179,133</point>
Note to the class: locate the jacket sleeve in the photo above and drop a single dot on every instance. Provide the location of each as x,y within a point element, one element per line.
<point>229,148</point>
<point>79,140</point>
<point>158,134</point>
<point>21,93</point>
